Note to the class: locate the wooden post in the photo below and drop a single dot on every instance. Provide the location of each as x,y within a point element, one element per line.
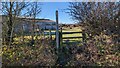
<point>84,37</point>
<point>50,34</point>
<point>57,30</point>
<point>23,33</point>
<point>43,33</point>
<point>1,40</point>
<point>38,31</point>
<point>33,30</point>
<point>61,40</point>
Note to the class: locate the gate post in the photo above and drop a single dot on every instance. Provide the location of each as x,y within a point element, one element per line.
<point>61,36</point>
<point>57,31</point>
<point>84,37</point>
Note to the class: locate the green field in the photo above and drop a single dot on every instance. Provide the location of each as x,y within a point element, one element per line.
<point>27,38</point>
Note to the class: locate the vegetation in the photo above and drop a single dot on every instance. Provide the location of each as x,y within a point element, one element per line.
<point>43,53</point>
<point>101,47</point>
<point>100,22</point>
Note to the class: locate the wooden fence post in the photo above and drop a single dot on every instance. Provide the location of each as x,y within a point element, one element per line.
<point>23,33</point>
<point>50,36</point>
<point>57,31</point>
<point>43,33</point>
<point>38,32</point>
<point>84,37</point>
<point>61,36</point>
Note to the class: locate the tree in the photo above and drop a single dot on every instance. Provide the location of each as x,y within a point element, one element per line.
<point>101,21</point>
<point>96,16</point>
<point>13,10</point>
<point>33,12</point>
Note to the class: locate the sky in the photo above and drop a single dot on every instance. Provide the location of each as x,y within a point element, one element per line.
<point>49,9</point>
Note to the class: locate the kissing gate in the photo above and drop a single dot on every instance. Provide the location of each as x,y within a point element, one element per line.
<point>59,38</point>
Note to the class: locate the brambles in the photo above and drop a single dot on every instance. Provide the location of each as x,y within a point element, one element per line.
<point>100,23</point>
<point>95,53</point>
<point>24,55</point>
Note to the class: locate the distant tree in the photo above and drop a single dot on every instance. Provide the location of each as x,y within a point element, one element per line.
<point>34,11</point>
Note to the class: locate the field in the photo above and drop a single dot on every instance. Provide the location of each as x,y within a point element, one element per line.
<point>76,29</point>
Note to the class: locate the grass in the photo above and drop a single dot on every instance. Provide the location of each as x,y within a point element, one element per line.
<point>69,30</point>
<point>76,29</point>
